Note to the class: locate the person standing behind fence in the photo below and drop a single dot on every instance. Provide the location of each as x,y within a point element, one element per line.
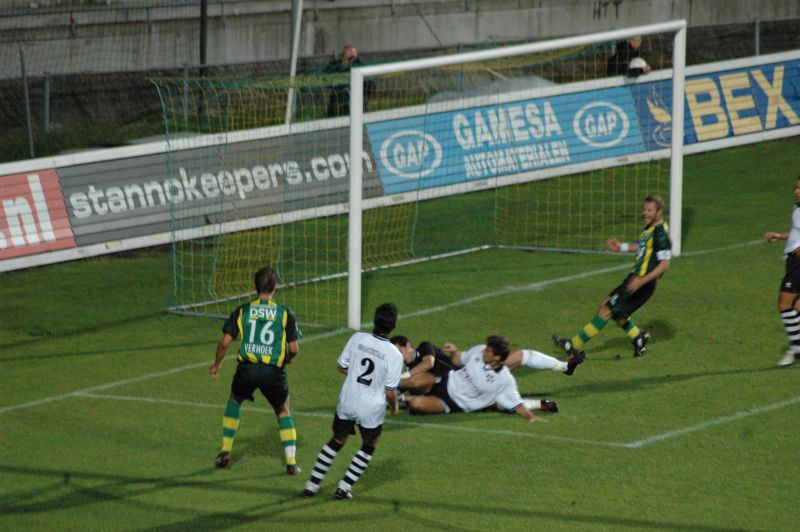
<point>339,99</point>
<point>269,342</point>
<point>619,62</point>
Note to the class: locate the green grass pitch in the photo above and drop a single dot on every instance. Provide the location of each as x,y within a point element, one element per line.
<point>109,420</point>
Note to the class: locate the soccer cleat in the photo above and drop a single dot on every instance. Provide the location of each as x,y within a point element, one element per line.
<point>549,406</point>
<point>789,358</point>
<point>640,342</point>
<point>342,494</point>
<point>222,459</point>
<point>564,344</point>
<point>293,470</point>
<point>307,493</point>
<point>573,361</point>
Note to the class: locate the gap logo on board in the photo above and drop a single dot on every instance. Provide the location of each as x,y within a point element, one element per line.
<point>601,124</point>
<point>475,141</point>
<point>411,154</point>
<point>33,218</point>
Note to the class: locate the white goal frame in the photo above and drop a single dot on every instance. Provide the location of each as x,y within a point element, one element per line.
<point>357,76</point>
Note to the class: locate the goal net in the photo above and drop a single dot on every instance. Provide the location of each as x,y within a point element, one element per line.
<point>548,146</point>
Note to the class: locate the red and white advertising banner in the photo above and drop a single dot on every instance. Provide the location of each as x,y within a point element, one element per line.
<point>33,218</point>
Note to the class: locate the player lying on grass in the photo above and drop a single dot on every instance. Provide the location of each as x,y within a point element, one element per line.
<point>471,381</point>
<point>426,355</point>
<point>653,254</point>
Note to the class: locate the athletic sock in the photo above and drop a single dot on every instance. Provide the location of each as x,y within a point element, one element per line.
<point>357,467</point>
<point>537,360</point>
<point>288,438</point>
<point>791,322</point>
<point>230,424</point>
<point>629,327</point>
<point>324,461</point>
<point>589,330</point>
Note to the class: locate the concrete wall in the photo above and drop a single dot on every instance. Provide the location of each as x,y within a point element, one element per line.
<point>123,35</point>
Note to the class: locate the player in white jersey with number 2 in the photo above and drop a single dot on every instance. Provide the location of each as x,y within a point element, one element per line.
<point>372,365</point>
<point>482,381</point>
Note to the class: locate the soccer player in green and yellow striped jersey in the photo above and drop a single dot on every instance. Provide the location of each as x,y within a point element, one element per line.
<point>269,341</point>
<point>653,254</point>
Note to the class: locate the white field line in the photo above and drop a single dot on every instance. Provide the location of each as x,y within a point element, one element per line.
<point>541,285</point>
<point>146,377</point>
<point>713,422</point>
<point>458,428</point>
<point>388,421</point>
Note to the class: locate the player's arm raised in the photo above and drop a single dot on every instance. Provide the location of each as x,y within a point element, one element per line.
<point>451,350</point>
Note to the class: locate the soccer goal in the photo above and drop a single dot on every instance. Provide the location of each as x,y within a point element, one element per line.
<point>533,146</point>
<point>595,141</point>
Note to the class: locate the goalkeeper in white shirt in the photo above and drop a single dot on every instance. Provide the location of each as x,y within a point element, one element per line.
<point>481,381</point>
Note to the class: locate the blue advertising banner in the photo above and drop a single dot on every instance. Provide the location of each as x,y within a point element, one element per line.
<point>444,148</point>
<point>722,104</point>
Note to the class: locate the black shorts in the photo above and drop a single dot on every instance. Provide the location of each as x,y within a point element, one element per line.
<point>439,389</point>
<point>624,303</point>
<point>342,428</point>
<point>271,380</point>
<point>791,279</point>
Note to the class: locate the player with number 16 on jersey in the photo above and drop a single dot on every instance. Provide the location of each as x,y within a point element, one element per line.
<point>372,365</point>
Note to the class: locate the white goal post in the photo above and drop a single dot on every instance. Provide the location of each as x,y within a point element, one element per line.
<point>357,122</point>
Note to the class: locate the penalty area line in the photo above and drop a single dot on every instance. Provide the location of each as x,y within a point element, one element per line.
<point>636,444</point>
<point>388,421</point>
<point>712,423</point>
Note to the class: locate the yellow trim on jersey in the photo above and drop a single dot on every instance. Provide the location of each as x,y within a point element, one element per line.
<point>239,322</point>
<point>283,343</point>
<point>648,252</point>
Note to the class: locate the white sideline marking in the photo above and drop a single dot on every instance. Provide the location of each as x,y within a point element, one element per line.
<point>145,377</point>
<point>458,428</point>
<point>388,421</point>
<point>712,423</point>
<point>541,285</point>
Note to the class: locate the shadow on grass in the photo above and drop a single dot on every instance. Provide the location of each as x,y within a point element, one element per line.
<point>26,357</point>
<point>643,383</point>
<point>45,335</point>
<point>85,490</point>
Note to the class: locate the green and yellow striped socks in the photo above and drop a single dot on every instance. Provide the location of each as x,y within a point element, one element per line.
<point>288,438</point>
<point>230,424</point>
<point>589,330</point>
<point>629,327</point>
